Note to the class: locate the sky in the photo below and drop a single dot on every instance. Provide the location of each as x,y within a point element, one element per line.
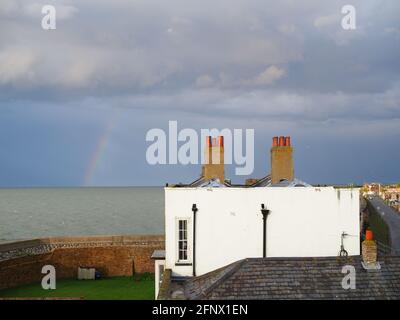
<point>76,102</point>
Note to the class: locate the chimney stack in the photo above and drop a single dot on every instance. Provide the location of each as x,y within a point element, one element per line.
<point>214,159</point>
<point>369,250</point>
<point>281,159</point>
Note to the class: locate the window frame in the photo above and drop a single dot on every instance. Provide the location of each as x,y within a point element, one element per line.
<point>188,259</point>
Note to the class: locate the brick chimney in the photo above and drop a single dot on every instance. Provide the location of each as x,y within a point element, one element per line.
<point>214,159</point>
<point>369,249</point>
<point>281,160</point>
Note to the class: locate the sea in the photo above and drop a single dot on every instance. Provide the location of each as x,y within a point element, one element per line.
<point>27,213</point>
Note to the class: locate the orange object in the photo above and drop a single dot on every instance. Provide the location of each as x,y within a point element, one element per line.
<point>221,141</point>
<point>369,235</point>
<point>275,141</point>
<point>281,141</point>
<point>287,141</point>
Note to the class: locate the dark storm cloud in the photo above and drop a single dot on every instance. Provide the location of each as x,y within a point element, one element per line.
<point>147,47</point>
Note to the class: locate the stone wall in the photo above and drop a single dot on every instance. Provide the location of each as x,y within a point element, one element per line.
<point>21,262</point>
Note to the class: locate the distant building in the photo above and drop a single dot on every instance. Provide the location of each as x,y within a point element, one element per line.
<point>391,195</point>
<point>372,189</point>
<point>212,224</point>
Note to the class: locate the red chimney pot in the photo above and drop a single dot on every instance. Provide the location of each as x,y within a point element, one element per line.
<point>208,141</point>
<point>221,141</point>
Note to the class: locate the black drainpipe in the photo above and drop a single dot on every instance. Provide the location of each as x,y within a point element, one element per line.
<point>265,213</point>
<point>194,209</point>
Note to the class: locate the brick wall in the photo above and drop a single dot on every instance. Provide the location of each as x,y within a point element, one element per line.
<point>21,262</point>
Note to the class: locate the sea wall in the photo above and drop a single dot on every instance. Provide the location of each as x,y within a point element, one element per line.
<point>21,262</point>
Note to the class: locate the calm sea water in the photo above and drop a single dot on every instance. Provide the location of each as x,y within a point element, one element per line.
<point>42,212</point>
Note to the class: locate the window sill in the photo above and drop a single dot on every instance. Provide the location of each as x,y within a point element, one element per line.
<point>183,263</point>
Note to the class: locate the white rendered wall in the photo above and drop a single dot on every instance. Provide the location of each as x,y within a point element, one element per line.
<point>304,222</point>
<point>159,266</point>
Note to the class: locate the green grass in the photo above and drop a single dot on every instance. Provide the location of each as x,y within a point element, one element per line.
<point>138,287</point>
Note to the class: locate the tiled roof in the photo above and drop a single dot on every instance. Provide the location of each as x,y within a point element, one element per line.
<point>267,182</point>
<point>263,182</point>
<point>201,286</point>
<point>201,182</point>
<point>296,278</point>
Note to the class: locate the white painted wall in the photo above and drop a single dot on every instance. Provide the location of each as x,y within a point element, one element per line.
<point>304,222</point>
<point>159,266</point>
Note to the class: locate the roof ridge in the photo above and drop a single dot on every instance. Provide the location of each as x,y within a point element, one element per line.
<point>261,180</point>
<point>222,279</point>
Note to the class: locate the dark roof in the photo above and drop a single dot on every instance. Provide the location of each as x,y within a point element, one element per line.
<point>201,182</point>
<point>296,278</point>
<point>263,182</point>
<point>392,219</point>
<point>197,182</point>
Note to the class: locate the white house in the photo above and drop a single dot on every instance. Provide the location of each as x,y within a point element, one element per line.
<point>209,225</point>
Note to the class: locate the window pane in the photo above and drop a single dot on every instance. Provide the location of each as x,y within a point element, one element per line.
<point>182,240</point>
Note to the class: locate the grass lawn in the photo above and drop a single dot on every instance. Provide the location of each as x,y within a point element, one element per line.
<point>138,287</point>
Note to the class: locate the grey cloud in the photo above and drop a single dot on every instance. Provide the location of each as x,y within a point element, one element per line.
<point>289,60</point>
<point>270,105</point>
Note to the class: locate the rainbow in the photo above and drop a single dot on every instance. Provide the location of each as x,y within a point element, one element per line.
<point>100,149</point>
